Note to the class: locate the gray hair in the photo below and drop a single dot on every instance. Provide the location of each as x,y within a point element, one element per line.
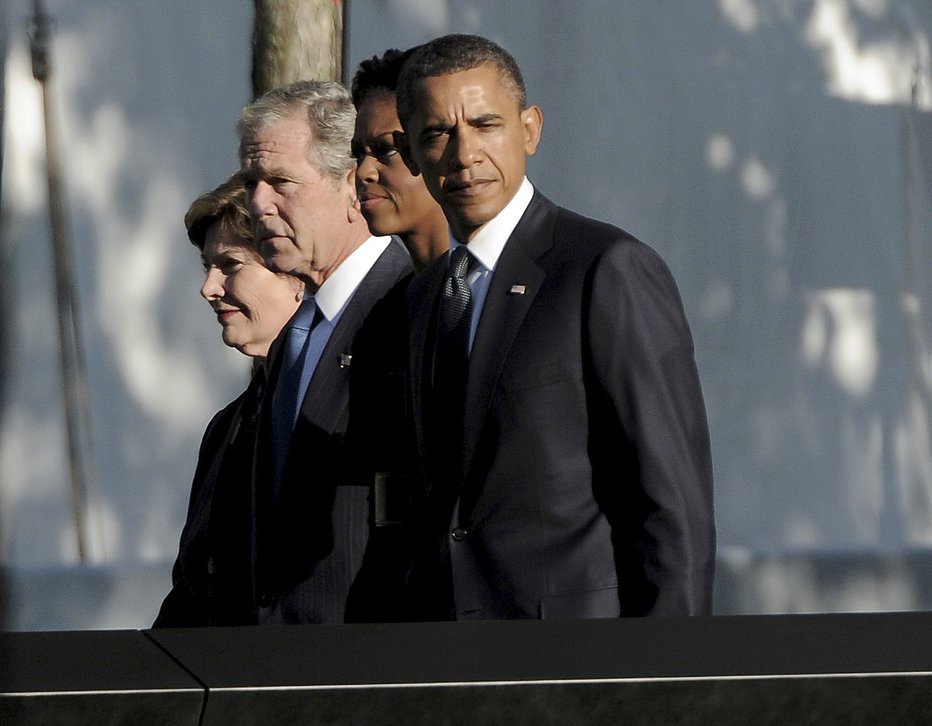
<point>331,117</point>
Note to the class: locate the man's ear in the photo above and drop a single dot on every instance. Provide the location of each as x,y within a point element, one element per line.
<point>353,210</point>
<point>402,143</point>
<point>532,119</point>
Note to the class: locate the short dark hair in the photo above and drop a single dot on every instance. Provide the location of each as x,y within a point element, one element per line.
<point>225,204</point>
<point>454,53</point>
<point>379,73</point>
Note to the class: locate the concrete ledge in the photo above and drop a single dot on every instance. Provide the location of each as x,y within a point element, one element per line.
<point>852,669</point>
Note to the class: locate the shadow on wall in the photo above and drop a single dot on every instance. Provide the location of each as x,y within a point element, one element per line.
<point>125,596</point>
<point>765,150</point>
<point>145,127</point>
<point>808,582</point>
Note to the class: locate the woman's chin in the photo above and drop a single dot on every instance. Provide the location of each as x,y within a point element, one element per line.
<point>234,342</point>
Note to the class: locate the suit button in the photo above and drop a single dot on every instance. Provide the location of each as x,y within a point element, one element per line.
<point>459,534</point>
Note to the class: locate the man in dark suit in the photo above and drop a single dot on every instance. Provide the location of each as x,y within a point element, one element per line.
<point>558,413</point>
<point>310,516</point>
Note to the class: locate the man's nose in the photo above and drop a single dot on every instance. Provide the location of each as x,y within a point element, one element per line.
<point>465,147</point>
<point>259,199</point>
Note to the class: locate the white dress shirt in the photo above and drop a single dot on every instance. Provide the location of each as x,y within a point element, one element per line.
<point>487,246</point>
<point>332,298</point>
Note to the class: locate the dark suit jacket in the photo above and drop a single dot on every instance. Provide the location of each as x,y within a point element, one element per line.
<point>311,548</point>
<point>586,485</point>
<point>301,558</point>
<point>380,438</point>
<point>212,578</point>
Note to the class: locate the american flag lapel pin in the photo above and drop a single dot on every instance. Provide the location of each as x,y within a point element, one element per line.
<point>517,290</point>
<point>345,360</point>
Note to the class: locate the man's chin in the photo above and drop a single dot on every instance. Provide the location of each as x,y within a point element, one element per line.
<point>277,262</point>
<point>469,217</point>
<point>273,257</point>
<point>465,226</point>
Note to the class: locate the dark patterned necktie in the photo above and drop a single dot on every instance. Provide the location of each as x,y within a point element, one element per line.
<point>457,299</point>
<point>451,361</point>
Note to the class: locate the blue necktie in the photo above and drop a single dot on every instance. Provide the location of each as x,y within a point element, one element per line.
<point>286,399</point>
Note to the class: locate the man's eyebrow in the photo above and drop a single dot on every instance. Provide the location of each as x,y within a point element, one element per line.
<point>260,169</point>
<point>485,118</point>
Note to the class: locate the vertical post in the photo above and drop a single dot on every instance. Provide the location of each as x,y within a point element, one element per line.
<point>75,397</point>
<point>344,11</point>
<point>294,40</point>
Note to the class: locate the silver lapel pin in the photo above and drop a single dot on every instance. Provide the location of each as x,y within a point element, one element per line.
<point>517,290</point>
<point>345,360</point>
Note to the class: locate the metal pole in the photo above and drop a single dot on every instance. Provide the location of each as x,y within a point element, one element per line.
<point>344,74</point>
<point>75,398</point>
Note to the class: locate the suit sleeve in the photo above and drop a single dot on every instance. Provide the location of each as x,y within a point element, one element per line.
<point>183,607</point>
<point>649,435</point>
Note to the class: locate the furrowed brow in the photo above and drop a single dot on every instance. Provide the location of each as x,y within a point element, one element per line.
<point>485,118</point>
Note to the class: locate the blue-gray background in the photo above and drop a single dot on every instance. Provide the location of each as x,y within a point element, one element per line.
<point>777,154</point>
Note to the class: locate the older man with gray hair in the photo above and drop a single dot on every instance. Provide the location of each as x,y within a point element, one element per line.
<point>310,521</point>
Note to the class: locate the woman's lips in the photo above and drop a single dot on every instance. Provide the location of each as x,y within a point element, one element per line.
<point>372,201</point>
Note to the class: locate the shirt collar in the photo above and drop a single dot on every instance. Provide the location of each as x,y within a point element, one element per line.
<point>336,290</point>
<point>490,240</point>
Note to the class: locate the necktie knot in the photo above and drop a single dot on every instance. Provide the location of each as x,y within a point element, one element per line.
<point>456,291</point>
<point>461,262</point>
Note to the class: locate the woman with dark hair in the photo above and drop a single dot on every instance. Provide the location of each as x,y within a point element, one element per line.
<point>212,575</point>
<point>393,200</point>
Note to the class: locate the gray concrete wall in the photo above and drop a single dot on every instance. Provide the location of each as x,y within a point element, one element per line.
<point>778,155</point>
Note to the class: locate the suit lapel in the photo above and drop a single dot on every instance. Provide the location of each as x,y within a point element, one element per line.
<point>314,468</point>
<point>321,400</point>
<point>515,283</point>
<point>505,308</point>
<point>322,403</point>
